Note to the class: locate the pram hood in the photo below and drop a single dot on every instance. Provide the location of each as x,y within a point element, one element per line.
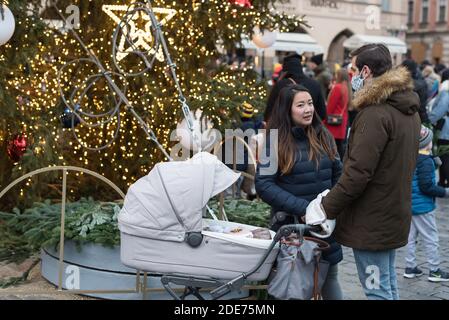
<point>168,202</point>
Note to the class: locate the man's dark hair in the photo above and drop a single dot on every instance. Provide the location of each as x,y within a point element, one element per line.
<point>439,68</point>
<point>376,56</point>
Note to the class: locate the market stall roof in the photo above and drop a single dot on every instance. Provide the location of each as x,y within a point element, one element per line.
<point>299,42</point>
<point>394,44</point>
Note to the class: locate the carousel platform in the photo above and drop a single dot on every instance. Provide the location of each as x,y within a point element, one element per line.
<point>93,268</point>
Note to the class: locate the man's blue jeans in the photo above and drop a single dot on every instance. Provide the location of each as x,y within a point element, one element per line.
<point>377,274</point>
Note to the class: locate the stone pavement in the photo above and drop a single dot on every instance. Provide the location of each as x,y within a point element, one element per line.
<point>36,288</point>
<point>409,289</point>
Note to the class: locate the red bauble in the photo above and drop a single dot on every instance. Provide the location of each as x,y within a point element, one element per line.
<point>16,147</point>
<point>242,3</point>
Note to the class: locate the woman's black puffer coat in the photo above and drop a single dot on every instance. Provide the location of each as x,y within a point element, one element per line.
<point>292,193</point>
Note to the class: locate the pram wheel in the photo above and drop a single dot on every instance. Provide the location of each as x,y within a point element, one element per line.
<point>192,285</point>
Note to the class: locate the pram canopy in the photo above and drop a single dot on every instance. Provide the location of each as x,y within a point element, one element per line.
<point>168,203</point>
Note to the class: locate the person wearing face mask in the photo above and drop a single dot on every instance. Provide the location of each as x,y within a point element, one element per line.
<point>371,201</point>
<point>307,164</point>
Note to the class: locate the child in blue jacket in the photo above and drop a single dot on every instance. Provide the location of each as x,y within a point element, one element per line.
<point>424,191</point>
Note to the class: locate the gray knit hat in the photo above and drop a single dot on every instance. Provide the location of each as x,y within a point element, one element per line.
<point>425,138</point>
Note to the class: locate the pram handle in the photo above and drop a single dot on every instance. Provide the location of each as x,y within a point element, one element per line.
<point>286,230</point>
<point>283,232</point>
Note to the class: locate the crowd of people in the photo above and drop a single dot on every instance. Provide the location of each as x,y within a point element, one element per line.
<point>373,134</point>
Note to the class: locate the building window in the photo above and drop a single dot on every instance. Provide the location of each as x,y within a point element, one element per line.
<point>425,11</point>
<point>442,9</point>
<point>411,12</point>
<point>386,5</point>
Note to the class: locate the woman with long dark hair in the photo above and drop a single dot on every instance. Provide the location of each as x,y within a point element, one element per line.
<point>307,164</point>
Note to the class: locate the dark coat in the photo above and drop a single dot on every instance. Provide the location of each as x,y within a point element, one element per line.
<point>372,199</point>
<point>294,71</point>
<point>324,78</point>
<point>420,87</point>
<point>292,193</point>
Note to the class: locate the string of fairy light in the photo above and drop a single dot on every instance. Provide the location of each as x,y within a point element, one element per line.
<point>153,96</point>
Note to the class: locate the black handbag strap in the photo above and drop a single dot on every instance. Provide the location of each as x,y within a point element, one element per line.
<point>322,245</point>
<point>316,290</point>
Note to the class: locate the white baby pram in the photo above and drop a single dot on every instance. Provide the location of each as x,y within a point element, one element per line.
<point>164,232</point>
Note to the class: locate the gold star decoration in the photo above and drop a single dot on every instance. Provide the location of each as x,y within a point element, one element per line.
<point>141,38</point>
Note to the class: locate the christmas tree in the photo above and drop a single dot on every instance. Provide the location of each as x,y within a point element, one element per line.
<point>30,96</point>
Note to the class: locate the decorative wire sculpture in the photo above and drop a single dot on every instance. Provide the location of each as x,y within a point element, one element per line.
<point>121,98</point>
<point>78,94</point>
<point>123,29</point>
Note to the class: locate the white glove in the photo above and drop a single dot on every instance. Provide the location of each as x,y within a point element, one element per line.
<point>324,193</point>
<point>315,214</point>
<point>327,228</point>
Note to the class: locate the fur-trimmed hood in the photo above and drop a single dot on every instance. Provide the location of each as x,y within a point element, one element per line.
<point>395,88</point>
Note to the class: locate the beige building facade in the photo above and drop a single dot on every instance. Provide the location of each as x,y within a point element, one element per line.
<point>333,22</point>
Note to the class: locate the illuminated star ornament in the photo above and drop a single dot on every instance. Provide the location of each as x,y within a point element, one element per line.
<point>141,38</point>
